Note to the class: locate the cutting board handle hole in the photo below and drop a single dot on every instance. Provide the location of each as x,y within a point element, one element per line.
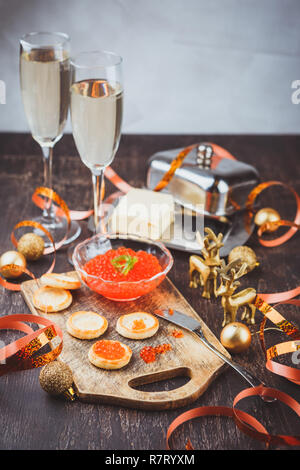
<point>161,381</point>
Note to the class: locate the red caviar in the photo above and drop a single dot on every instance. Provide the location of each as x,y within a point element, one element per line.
<point>109,349</point>
<point>114,281</point>
<point>177,334</point>
<point>148,353</point>
<point>138,325</point>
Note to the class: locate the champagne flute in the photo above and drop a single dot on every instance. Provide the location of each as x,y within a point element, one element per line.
<point>45,82</point>
<point>96,115</point>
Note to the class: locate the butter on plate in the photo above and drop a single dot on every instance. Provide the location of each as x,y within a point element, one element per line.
<point>145,213</point>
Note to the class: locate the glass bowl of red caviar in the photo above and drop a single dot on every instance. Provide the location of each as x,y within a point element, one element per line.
<point>121,267</point>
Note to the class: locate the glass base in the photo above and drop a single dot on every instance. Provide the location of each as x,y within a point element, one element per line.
<point>57,227</point>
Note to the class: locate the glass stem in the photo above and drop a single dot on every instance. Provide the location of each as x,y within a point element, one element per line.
<point>98,188</point>
<point>48,213</point>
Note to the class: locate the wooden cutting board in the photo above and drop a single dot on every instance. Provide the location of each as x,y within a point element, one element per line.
<point>188,356</point>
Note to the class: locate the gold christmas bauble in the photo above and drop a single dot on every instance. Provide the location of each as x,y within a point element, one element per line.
<point>236,337</point>
<point>31,246</point>
<point>8,259</point>
<point>265,215</point>
<point>56,378</point>
<point>246,255</point>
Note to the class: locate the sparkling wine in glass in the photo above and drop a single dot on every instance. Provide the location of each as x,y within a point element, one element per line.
<point>45,84</point>
<point>96,114</point>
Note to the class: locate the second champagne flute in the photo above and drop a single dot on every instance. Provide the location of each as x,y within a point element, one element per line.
<point>96,114</point>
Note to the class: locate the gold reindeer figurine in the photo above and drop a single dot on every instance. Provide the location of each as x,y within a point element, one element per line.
<point>203,271</point>
<point>230,301</point>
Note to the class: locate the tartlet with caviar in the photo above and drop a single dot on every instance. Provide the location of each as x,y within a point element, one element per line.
<point>137,325</point>
<point>109,354</point>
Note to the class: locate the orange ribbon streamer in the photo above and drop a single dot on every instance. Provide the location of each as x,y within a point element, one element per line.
<point>50,194</point>
<point>244,421</point>
<point>175,164</point>
<point>27,223</point>
<point>110,174</point>
<point>218,154</point>
<point>294,225</point>
<point>286,347</point>
<point>21,354</point>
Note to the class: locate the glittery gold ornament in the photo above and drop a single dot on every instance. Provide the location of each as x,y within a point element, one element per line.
<point>9,262</point>
<point>244,254</point>
<point>31,246</point>
<point>236,337</point>
<point>56,378</point>
<point>265,216</point>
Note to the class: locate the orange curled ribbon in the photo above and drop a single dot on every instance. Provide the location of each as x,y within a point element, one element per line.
<point>62,206</point>
<point>10,285</point>
<point>247,423</point>
<point>59,210</point>
<point>63,210</point>
<point>219,153</point>
<point>21,354</point>
<point>295,224</point>
<point>175,164</point>
<point>50,194</point>
<point>286,347</point>
<point>28,223</point>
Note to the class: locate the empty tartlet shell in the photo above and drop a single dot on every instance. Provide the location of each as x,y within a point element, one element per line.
<point>51,299</point>
<point>87,332</point>
<point>63,281</point>
<point>109,364</point>
<point>124,329</point>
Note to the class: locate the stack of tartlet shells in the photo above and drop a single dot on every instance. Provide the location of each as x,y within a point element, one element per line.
<point>55,295</point>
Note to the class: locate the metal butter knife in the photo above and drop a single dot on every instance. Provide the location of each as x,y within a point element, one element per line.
<point>194,326</point>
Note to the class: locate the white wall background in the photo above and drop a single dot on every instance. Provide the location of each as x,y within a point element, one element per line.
<point>190,66</point>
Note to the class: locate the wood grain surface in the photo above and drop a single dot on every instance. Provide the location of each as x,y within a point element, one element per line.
<point>30,419</point>
<point>188,356</point>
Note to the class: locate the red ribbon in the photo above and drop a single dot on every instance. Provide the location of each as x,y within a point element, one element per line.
<point>21,354</point>
<point>244,421</point>
<point>290,330</point>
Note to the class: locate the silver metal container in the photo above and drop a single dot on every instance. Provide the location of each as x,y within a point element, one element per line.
<point>222,189</point>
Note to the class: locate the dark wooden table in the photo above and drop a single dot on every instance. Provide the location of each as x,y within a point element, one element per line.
<point>29,418</point>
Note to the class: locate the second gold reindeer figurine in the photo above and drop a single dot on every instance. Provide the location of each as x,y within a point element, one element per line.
<point>232,302</point>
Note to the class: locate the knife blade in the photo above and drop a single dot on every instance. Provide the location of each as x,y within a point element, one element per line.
<point>179,319</point>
